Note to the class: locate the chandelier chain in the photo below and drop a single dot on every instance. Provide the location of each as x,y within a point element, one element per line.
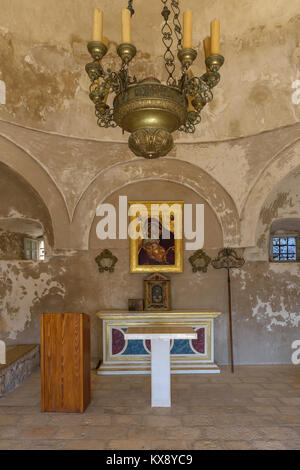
<point>167,40</point>
<point>176,22</point>
<point>130,7</point>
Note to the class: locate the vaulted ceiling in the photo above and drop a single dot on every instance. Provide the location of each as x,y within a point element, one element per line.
<point>43,54</point>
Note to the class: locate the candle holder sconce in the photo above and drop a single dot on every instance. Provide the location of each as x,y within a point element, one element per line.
<point>106,261</point>
<point>228,259</point>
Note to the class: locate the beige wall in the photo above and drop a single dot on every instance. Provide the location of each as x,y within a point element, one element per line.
<point>243,163</point>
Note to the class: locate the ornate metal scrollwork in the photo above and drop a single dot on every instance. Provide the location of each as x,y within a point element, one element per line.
<point>227,258</point>
<point>150,143</point>
<point>199,261</point>
<point>106,261</point>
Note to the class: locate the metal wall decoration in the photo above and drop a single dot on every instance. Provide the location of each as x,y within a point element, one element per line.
<point>106,261</point>
<point>228,259</point>
<point>199,261</point>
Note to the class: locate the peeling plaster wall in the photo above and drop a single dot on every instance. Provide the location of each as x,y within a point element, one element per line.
<point>19,200</point>
<point>11,245</point>
<point>266,311</point>
<point>265,297</point>
<point>282,202</point>
<point>242,163</point>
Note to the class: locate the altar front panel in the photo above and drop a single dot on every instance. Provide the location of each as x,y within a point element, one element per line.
<point>122,356</point>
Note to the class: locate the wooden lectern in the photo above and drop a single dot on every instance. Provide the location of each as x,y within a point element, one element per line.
<point>65,362</point>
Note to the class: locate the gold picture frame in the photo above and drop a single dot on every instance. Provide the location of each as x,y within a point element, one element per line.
<point>158,254</point>
<point>157,292</point>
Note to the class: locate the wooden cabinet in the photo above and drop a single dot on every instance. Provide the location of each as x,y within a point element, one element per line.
<point>65,361</point>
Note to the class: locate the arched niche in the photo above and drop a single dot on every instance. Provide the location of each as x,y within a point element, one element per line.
<point>280,226</point>
<point>30,171</point>
<point>22,211</point>
<point>284,164</point>
<point>165,170</point>
<point>156,190</point>
<point>189,289</point>
<point>280,211</point>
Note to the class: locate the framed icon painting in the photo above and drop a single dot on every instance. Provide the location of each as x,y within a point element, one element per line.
<point>157,293</point>
<point>155,229</point>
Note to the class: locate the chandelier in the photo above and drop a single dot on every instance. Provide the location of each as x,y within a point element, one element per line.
<point>146,108</point>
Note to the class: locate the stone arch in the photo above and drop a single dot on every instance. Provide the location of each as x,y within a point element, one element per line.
<point>33,173</point>
<point>165,169</point>
<point>280,167</point>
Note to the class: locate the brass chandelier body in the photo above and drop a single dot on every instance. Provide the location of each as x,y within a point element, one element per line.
<point>148,109</point>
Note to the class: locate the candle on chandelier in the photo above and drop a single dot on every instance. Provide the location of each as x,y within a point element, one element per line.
<point>126,32</point>
<point>206,45</point>
<point>98,25</point>
<point>215,37</point>
<point>187,29</point>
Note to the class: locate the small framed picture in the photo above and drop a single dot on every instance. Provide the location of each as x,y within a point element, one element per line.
<point>135,305</point>
<point>157,292</point>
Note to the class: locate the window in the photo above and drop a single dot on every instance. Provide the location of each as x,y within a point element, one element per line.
<point>284,249</point>
<point>285,240</point>
<point>41,250</point>
<point>34,249</point>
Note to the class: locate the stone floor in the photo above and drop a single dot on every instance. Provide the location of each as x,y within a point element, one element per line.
<point>256,408</point>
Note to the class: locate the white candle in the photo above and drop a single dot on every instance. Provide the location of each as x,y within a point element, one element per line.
<point>215,37</point>
<point>187,29</point>
<point>126,33</point>
<point>98,25</point>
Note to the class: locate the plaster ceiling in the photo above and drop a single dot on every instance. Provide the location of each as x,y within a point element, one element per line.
<point>43,54</point>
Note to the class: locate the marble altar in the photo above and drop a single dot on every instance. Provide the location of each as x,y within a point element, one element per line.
<point>132,356</point>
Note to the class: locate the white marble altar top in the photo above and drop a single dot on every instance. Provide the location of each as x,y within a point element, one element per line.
<point>112,314</point>
<point>160,332</point>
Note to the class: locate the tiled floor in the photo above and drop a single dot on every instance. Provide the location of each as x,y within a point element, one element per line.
<point>256,408</point>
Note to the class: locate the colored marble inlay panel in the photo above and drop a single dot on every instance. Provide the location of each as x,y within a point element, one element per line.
<point>135,347</point>
<point>199,343</point>
<point>182,346</point>
<point>118,341</point>
<point>179,347</point>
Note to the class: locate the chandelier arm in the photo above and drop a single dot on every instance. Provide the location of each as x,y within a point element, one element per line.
<point>104,115</point>
<point>196,87</point>
<point>211,79</point>
<point>193,119</point>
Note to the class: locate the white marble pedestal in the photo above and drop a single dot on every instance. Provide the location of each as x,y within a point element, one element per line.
<point>160,357</point>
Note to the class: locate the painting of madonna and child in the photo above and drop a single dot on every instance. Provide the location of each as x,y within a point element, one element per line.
<point>155,236</point>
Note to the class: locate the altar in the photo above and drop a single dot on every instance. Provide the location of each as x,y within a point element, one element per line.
<point>133,356</point>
